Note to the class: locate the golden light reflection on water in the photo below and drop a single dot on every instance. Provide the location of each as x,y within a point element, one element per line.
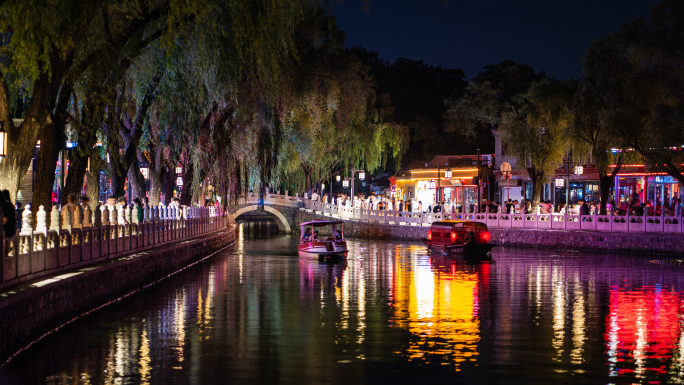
<point>179,321</point>
<point>144,362</point>
<point>439,309</point>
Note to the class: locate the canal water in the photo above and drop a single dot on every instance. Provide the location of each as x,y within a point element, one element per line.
<point>389,314</point>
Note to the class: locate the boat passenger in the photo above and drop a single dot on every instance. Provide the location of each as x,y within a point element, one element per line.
<point>315,235</point>
<point>338,236</point>
<point>307,234</point>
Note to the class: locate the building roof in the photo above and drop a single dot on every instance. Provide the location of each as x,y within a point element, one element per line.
<point>445,160</point>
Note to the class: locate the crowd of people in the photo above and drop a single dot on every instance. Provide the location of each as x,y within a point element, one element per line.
<point>524,206</point>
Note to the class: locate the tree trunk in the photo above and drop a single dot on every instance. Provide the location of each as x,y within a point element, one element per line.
<point>46,164</point>
<point>186,193</point>
<point>170,183</point>
<point>117,189</point>
<point>156,182</point>
<point>606,181</point>
<point>307,177</point>
<point>537,177</point>
<point>21,140</point>
<point>93,179</point>
<point>136,181</point>
<point>75,176</point>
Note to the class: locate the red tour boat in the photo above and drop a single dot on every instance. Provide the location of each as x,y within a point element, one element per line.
<point>313,245</point>
<point>459,237</point>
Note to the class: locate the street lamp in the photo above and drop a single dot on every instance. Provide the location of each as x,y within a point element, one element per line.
<point>338,178</point>
<point>361,172</point>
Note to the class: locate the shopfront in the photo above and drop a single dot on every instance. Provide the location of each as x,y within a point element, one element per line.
<point>656,190</point>
<point>455,186</point>
<point>579,191</point>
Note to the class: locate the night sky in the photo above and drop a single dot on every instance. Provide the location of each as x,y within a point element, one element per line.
<point>549,35</point>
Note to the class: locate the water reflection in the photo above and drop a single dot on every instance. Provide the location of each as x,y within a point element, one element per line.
<point>436,299</point>
<point>390,313</point>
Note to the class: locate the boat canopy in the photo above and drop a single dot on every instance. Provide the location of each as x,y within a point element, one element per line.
<point>322,223</point>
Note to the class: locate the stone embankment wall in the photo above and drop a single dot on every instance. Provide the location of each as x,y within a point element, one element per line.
<point>34,311</point>
<point>616,242</point>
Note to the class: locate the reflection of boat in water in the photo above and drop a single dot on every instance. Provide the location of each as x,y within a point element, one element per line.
<point>315,274</point>
<point>459,237</point>
<point>447,262</point>
<point>313,245</point>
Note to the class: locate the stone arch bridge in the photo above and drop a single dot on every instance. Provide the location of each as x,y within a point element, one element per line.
<point>282,208</point>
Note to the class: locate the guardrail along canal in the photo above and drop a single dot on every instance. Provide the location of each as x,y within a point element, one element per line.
<point>390,313</point>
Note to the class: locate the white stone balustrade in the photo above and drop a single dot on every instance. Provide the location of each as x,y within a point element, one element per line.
<point>70,241</point>
<point>593,222</point>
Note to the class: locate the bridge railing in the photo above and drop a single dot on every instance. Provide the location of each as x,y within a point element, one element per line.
<point>91,237</point>
<point>271,198</point>
<point>614,222</point>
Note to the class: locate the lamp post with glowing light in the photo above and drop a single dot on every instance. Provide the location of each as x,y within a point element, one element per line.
<point>362,176</point>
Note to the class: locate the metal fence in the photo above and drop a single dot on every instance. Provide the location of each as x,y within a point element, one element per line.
<point>106,233</point>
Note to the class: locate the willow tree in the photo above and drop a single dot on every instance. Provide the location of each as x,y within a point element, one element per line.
<point>538,134</point>
<point>331,116</point>
<point>47,55</point>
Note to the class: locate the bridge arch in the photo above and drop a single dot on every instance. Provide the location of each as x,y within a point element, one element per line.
<point>283,224</point>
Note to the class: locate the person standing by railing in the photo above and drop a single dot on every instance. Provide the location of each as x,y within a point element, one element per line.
<point>9,220</point>
<point>678,208</point>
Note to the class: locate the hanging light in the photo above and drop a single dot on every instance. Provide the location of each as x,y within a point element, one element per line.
<point>345,183</point>
<point>447,174</point>
<point>3,141</point>
<point>322,186</point>
<point>362,175</point>
<point>145,172</point>
<point>88,165</point>
<point>579,170</point>
<point>338,178</point>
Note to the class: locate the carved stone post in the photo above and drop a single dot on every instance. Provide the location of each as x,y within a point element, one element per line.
<point>104,212</point>
<point>27,221</point>
<point>54,219</point>
<point>97,216</point>
<point>41,220</point>
<point>87,217</point>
